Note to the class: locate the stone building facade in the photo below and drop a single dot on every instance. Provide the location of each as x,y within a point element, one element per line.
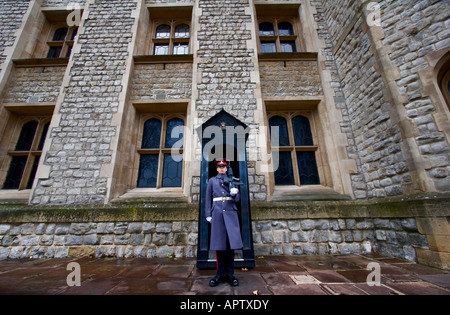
<point>358,90</point>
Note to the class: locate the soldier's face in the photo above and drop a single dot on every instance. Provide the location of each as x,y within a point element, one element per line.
<point>222,169</point>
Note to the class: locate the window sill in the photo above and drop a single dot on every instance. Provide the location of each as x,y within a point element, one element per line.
<point>41,62</point>
<point>14,195</point>
<point>280,56</point>
<point>153,194</point>
<point>164,59</point>
<point>313,192</point>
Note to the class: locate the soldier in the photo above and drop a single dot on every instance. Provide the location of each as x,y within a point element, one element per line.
<point>221,212</point>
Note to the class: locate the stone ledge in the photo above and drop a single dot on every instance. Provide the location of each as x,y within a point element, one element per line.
<point>129,212</point>
<point>160,209</point>
<point>428,205</point>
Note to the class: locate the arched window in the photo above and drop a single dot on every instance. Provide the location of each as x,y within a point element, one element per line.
<point>278,37</point>
<point>61,43</point>
<point>171,39</point>
<point>266,29</point>
<point>174,133</point>
<point>151,136</point>
<point>60,34</point>
<point>163,31</point>
<point>26,154</point>
<point>182,31</point>
<point>305,151</point>
<point>302,131</point>
<point>285,29</point>
<point>280,122</point>
<point>293,150</point>
<point>26,136</point>
<point>161,163</point>
<point>445,84</point>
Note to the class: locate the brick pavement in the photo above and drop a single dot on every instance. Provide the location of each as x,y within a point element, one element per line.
<point>275,275</point>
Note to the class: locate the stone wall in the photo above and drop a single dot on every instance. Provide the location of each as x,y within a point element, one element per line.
<point>11,15</point>
<point>290,78</point>
<point>103,239</point>
<point>59,3</point>
<point>34,84</point>
<point>420,30</point>
<point>393,237</point>
<point>225,62</point>
<point>379,70</point>
<point>226,68</point>
<point>398,227</point>
<point>162,81</point>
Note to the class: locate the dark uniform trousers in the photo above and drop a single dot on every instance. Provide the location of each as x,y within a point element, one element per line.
<point>225,261</point>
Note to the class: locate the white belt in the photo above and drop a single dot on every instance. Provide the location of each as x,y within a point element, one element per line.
<point>223,199</point>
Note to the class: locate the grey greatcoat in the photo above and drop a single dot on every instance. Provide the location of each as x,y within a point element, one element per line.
<point>224,215</point>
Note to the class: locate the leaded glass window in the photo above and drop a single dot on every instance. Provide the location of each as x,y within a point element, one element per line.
<point>284,175</point>
<point>181,48</point>
<point>173,169</point>
<point>61,43</point>
<point>60,34</point>
<point>151,137</point>
<point>281,123</point>
<point>163,31</point>
<point>285,29</point>
<point>161,49</point>
<point>161,153</point>
<point>25,155</point>
<point>302,131</point>
<point>148,170</point>
<point>182,31</point>
<point>293,150</point>
<point>268,47</point>
<point>277,37</point>
<point>266,29</point>
<point>171,39</point>
<point>26,136</point>
<point>174,132</point>
<point>288,47</point>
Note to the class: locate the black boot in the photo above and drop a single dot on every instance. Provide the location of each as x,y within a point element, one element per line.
<point>214,282</point>
<point>233,281</point>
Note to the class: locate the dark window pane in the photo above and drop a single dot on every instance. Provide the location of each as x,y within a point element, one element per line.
<point>283,136</point>
<point>148,170</point>
<point>268,47</point>
<point>15,172</point>
<point>174,133</point>
<point>151,137</point>
<point>172,171</point>
<point>163,31</point>
<point>285,29</point>
<point>302,131</point>
<point>182,31</point>
<point>44,134</point>
<point>181,49</point>
<point>26,136</point>
<point>54,52</point>
<point>288,46</point>
<point>60,34</point>
<point>307,167</point>
<point>284,174</point>
<point>69,51</point>
<point>161,49</point>
<point>33,172</point>
<point>74,34</point>
<point>266,29</point>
